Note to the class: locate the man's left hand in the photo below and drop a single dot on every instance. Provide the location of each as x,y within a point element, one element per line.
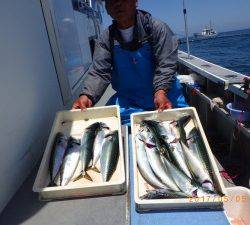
<point>161,101</point>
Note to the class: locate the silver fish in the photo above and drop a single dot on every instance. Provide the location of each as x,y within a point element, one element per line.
<point>144,166</point>
<point>98,143</point>
<point>70,161</point>
<point>196,145</point>
<point>178,128</point>
<point>176,154</point>
<point>154,158</point>
<point>164,194</point>
<point>153,127</point>
<point>182,181</point>
<point>57,155</point>
<point>109,155</point>
<point>166,131</point>
<point>186,185</point>
<point>87,144</point>
<point>197,168</point>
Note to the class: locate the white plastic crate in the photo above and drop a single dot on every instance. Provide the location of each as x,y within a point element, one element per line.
<point>73,123</point>
<point>140,183</point>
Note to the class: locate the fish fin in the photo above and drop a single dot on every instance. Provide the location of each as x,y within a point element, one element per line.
<point>86,176</point>
<point>82,174</point>
<point>106,127</point>
<point>111,133</point>
<point>94,168</point>
<point>184,120</point>
<point>52,184</point>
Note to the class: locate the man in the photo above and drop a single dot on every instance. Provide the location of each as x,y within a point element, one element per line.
<point>138,56</point>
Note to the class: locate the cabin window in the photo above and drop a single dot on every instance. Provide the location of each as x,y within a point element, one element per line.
<point>73,27</point>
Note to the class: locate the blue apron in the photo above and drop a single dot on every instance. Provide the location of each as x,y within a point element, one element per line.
<point>132,79</point>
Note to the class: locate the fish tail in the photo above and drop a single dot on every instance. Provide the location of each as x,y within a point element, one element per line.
<point>87,176</point>
<point>94,168</point>
<point>52,184</point>
<point>80,176</point>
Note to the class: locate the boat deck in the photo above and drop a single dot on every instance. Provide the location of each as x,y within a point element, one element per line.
<point>26,209</point>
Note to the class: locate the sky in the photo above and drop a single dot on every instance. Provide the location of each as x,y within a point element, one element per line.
<point>225,15</point>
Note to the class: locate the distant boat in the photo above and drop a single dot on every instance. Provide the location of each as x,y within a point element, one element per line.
<point>207,33</point>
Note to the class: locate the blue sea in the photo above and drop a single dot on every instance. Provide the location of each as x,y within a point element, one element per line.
<point>230,50</point>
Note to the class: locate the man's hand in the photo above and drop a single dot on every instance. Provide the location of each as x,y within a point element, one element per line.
<point>161,101</point>
<point>83,102</point>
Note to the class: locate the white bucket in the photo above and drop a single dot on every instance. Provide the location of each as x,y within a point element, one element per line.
<point>237,205</point>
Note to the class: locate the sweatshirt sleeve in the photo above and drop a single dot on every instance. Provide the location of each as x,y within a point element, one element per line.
<point>165,48</point>
<point>98,76</point>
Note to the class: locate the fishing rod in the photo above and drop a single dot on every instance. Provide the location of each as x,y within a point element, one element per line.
<point>186,27</point>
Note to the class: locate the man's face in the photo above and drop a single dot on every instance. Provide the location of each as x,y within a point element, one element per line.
<point>121,10</point>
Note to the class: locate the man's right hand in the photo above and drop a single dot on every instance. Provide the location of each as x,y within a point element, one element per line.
<point>83,102</point>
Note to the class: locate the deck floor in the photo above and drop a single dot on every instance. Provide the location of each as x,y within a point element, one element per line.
<point>26,209</point>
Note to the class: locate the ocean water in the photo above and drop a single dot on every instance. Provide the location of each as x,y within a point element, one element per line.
<point>230,50</point>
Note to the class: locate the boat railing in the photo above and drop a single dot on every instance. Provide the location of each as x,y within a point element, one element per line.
<point>225,78</point>
<point>215,82</point>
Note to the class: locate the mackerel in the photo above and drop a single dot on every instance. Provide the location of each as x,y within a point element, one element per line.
<point>109,155</point>
<point>186,185</point>
<point>70,161</point>
<point>86,156</point>
<point>144,166</point>
<point>98,143</point>
<point>153,128</point>
<point>164,194</point>
<point>154,158</point>
<point>57,155</point>
<point>197,168</point>
<point>175,151</point>
<point>196,145</point>
<point>178,128</point>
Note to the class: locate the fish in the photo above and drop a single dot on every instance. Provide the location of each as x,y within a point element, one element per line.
<point>152,127</point>
<point>70,161</point>
<point>87,144</point>
<point>178,128</point>
<point>154,158</point>
<point>203,192</point>
<point>178,158</point>
<point>197,147</point>
<point>188,186</point>
<point>57,155</point>
<point>144,166</point>
<point>163,194</point>
<point>167,132</point>
<point>172,149</point>
<point>109,155</point>
<point>197,169</point>
<point>185,184</point>
<point>98,143</point>
<point>176,154</point>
